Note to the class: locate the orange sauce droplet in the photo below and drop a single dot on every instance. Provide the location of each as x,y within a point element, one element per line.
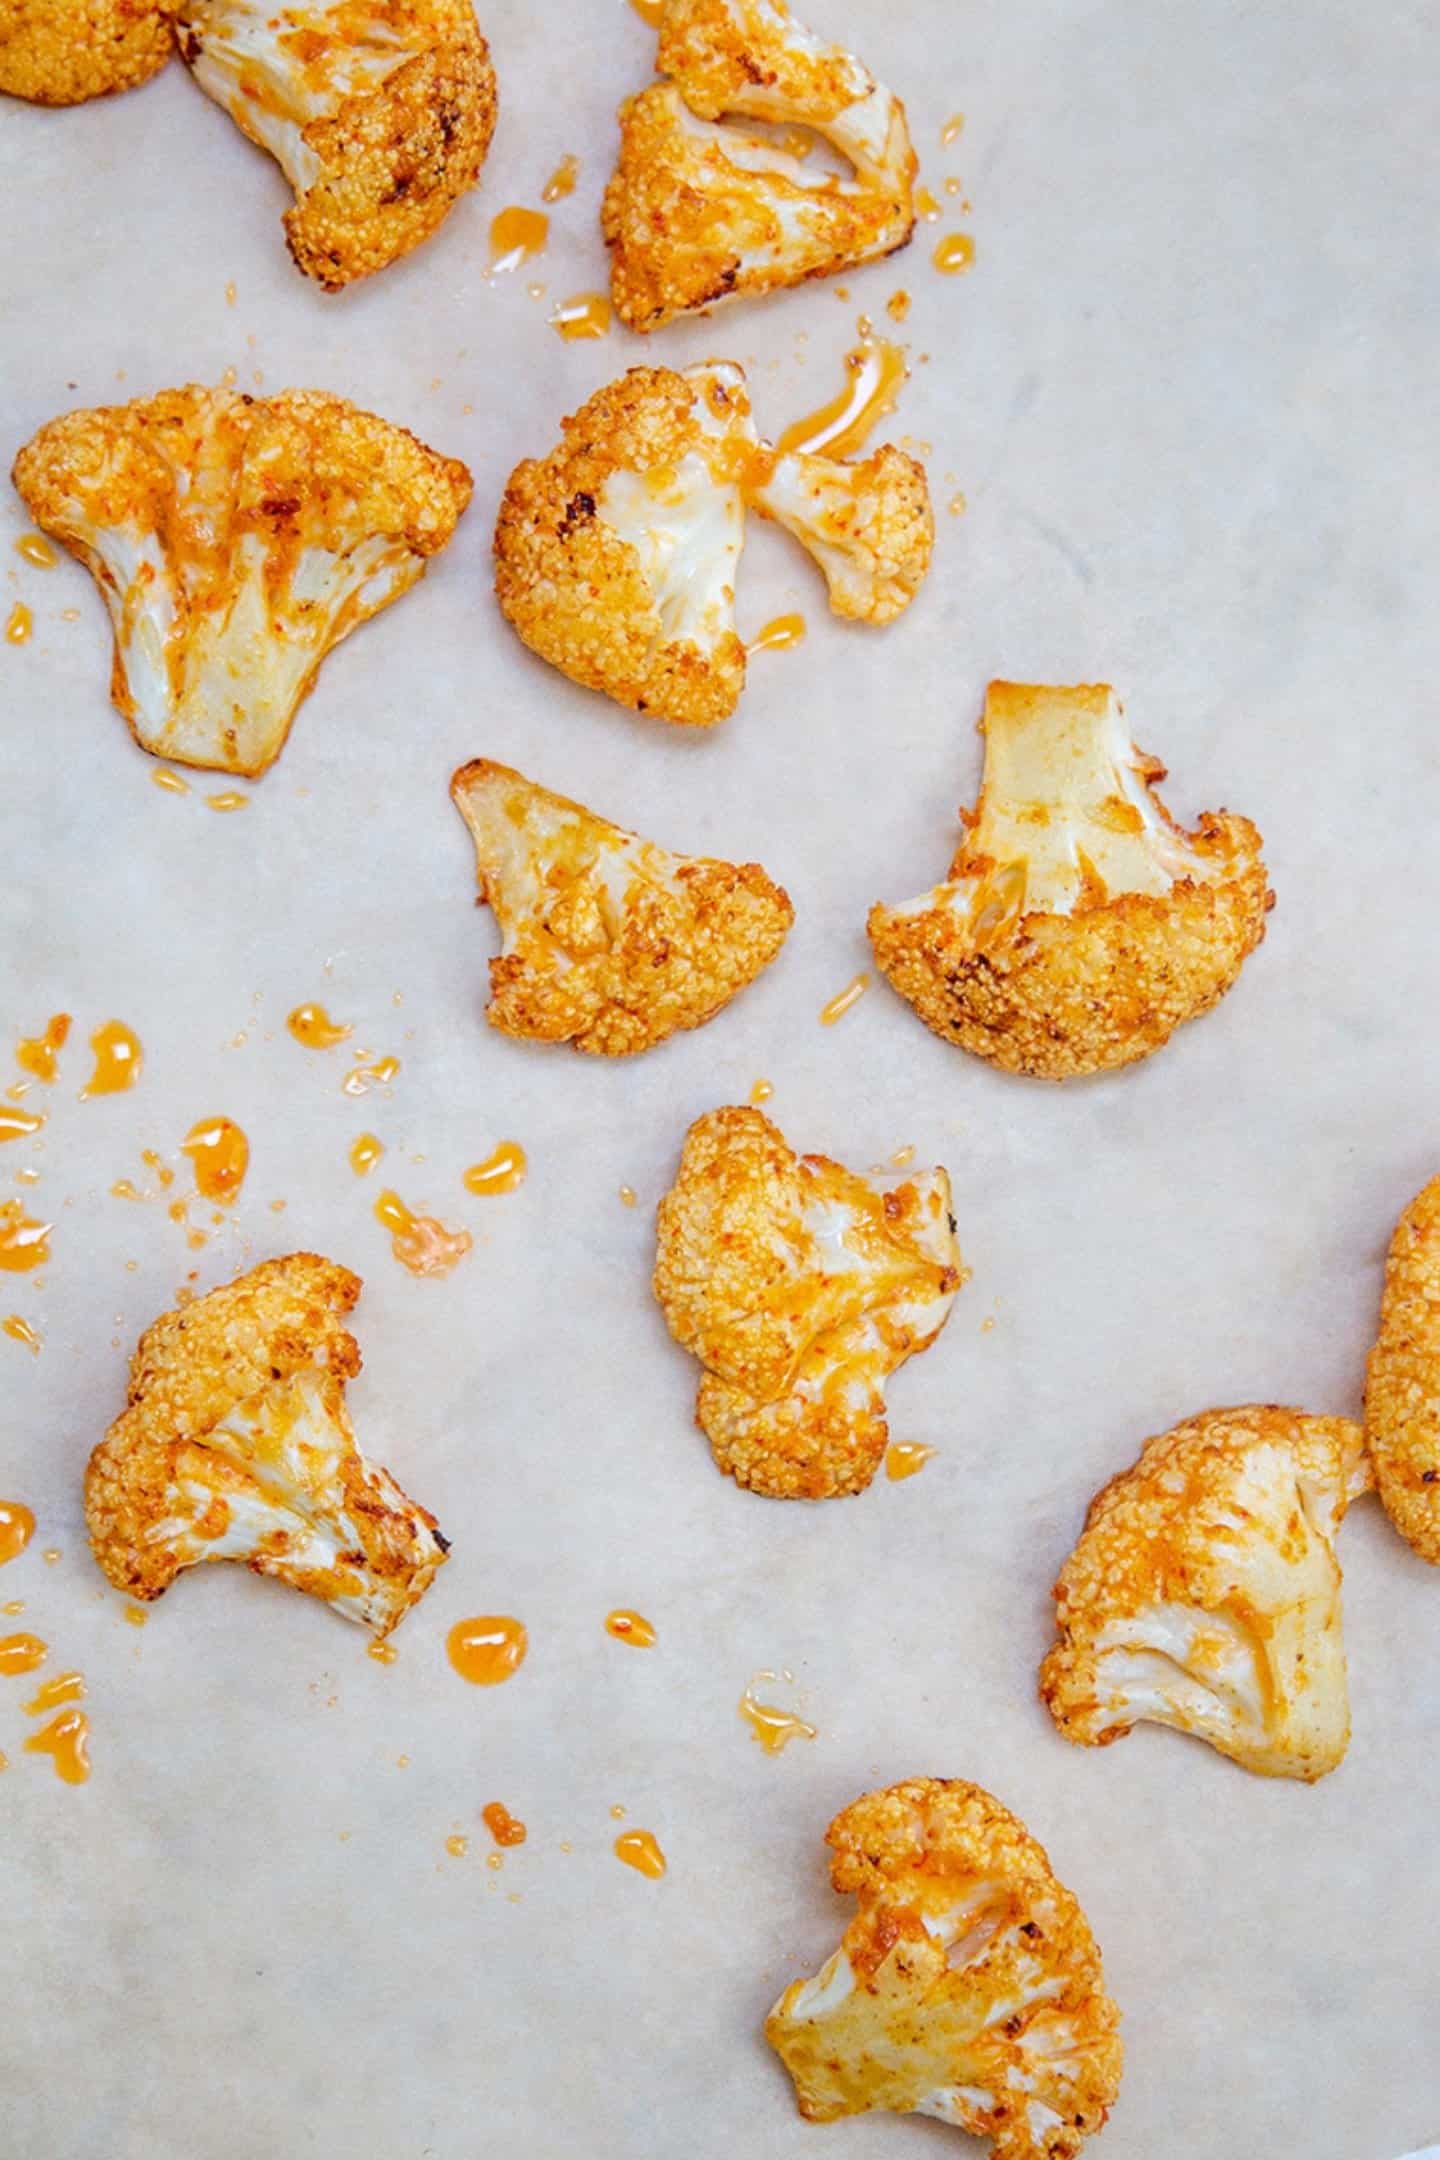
<point>20,1331</point>
<point>51,1554</point>
<point>487,1649</point>
<point>927,205</point>
<point>135,1616</point>
<point>312,1026</point>
<point>762,1091</point>
<point>952,128</point>
<point>649,11</point>
<point>419,1242</point>
<point>457,1847</point>
<point>66,1687</point>
<point>118,1059</point>
<point>955,252</point>
<point>952,187</point>
<point>842,1001</point>
<point>640,1849</point>
<point>19,624</point>
<point>384,1653</point>
<point>22,1653</point>
<point>630,1627</point>
<point>36,1054</point>
<point>365,1153</point>
<point>897,307</point>
<point>17,1527</point>
<point>957,506</point>
<point>36,549</point>
<point>231,799</point>
<point>220,1155</point>
<point>362,1078</point>
<point>584,315</point>
<point>14,1606</point>
<point>904,1457</point>
<point>500,1172</point>
<point>23,1244</point>
<point>65,1740</point>
<point>169,782</point>
<point>901,1157</point>
<point>562,181</point>
<point>515,235</point>
<point>773,1729</point>
<point>18,1124</point>
<point>876,369</point>
<point>627,1196</point>
<point>505,1828</point>
<point>778,635</point>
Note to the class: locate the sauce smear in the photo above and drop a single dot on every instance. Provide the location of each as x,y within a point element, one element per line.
<point>66,1741</point>
<point>876,369</point>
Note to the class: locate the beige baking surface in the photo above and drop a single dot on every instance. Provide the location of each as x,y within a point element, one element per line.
<point>1183,390</point>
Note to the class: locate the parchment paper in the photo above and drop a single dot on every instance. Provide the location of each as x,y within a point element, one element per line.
<point>1188,391</point>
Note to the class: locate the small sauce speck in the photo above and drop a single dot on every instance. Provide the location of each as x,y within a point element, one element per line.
<point>876,369</point>
<point>630,1627</point>
<point>774,1729</point>
<point>20,1331</point>
<point>842,1001</point>
<point>927,205</point>
<point>384,1653</point>
<point>135,1616</point>
<point>778,635</point>
<point>18,624</point>
<point>488,1649</point>
<point>457,1847</point>
<point>365,1153</point>
<point>21,1653</point>
<point>640,1849</point>
<point>957,506</point>
<point>118,1059</point>
<point>220,1155</point>
<point>24,1244</point>
<point>313,1026</point>
<point>419,1242</point>
<point>170,783</point>
<point>362,1078</point>
<point>515,235</point>
<point>952,128</point>
<point>955,252</point>
<point>36,549</point>
<point>17,1527</point>
<point>500,1172</point>
<point>66,1687</point>
<point>19,1124</point>
<point>229,799</point>
<point>627,1196</point>
<point>505,1828</point>
<point>897,307</point>
<point>584,315</point>
<point>51,1554</point>
<point>904,1457</point>
<point>36,1054</point>
<point>902,1157</point>
<point>762,1091</point>
<point>66,1741</point>
<point>562,181</point>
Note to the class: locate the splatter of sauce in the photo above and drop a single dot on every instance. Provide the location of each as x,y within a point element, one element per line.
<point>362,1078</point>
<point>781,634</point>
<point>17,1527</point>
<point>18,624</point>
<point>220,1155</point>
<point>875,371</point>
<point>419,1242</point>
<point>773,1728</point>
<point>24,1244</point>
<point>169,783</point>
<point>18,1124</point>
<point>313,1027</point>
<point>840,1004</point>
<point>38,1054</point>
<point>66,1741</point>
<point>762,1091</point>
<point>21,1654</point>
<point>562,181</point>
<point>515,235</point>
<point>230,799</point>
<point>119,1059</point>
<point>904,1457</point>
<point>487,1649</point>
<point>66,1687</point>
<point>952,129</point>
<point>500,1172</point>
<point>627,1196</point>
<point>585,315</point>
<point>630,1627</point>
<point>640,1849</point>
<point>505,1828</point>
<point>457,1846</point>
<point>20,1331</point>
<point>956,252</point>
<point>365,1153</point>
<point>36,549</point>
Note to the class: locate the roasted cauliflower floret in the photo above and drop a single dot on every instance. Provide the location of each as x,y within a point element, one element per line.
<point>869,526</point>
<point>378,112</point>
<point>609,942</point>
<point>235,540</point>
<point>235,1445</point>
<point>1079,925</point>
<point>700,208</point>
<point>968,1986</point>
<point>1205,1593</point>
<point>1402,1390</point>
<point>800,1287</point>
<point>62,52</point>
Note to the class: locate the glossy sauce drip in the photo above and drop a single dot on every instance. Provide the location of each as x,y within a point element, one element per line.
<point>220,1154</point>
<point>36,1054</point>
<point>36,549</point>
<point>384,1653</point>
<point>231,799</point>
<point>17,1527</point>
<point>955,252</point>
<point>500,1172</point>
<point>487,1649</point>
<point>65,1740</point>
<point>364,1077</point>
<point>584,315</point>
<point>778,635</point>
<point>952,128</point>
<point>876,369</point>
<point>419,1242</point>
<point>505,1828</point>
<point>773,1728</point>
<point>118,1059</point>
<point>640,1849</point>
<point>19,624</point>
<point>562,181</point>
<point>515,235</point>
<point>66,1687</point>
<point>312,1026</point>
<point>630,1627</point>
<point>762,1091</point>
<point>19,1124</point>
<point>365,1153</point>
<point>904,1457</point>
<point>23,1244</point>
<point>20,1331</point>
<point>842,1001</point>
<point>169,782</point>
<point>21,1653</point>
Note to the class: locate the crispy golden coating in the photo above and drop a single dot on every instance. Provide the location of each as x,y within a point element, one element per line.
<point>1402,1389</point>
<point>869,525</point>
<point>235,540</point>
<point>1079,925</point>
<point>800,1287</point>
<point>63,52</point>
<point>235,1445</point>
<point>610,943</point>
<point>699,208</point>
<point>1205,1593</point>
<point>968,1987</point>
<point>379,113</point>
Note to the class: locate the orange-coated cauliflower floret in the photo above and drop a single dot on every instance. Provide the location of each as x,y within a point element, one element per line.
<point>968,1986</point>
<point>700,208</point>
<point>1079,925</point>
<point>378,112</point>
<point>1205,1593</point>
<point>61,52</point>
<point>869,525</point>
<point>609,942</point>
<point>235,1445</point>
<point>1402,1389</point>
<point>800,1286</point>
<point>235,540</point>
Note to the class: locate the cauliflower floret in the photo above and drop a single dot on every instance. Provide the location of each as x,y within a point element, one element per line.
<point>61,52</point>
<point>235,1445</point>
<point>801,1287</point>
<point>699,209</point>
<point>869,526</point>
<point>378,112</point>
<point>235,540</point>
<point>1205,1593</point>
<point>968,1986</point>
<point>1402,1389</point>
<point>609,942</point>
<point>1079,925</point>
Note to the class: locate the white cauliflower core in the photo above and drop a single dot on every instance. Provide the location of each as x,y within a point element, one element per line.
<point>1204,1593</point>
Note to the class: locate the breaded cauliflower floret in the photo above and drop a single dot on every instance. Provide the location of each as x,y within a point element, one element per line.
<point>869,526</point>
<point>62,52</point>
<point>800,1287</point>
<point>1402,1389</point>
<point>609,942</point>
<point>1205,1593</point>
<point>378,112</point>
<point>235,1445</point>
<point>235,540</point>
<point>968,1987</point>
<point>1079,925</point>
<point>700,208</point>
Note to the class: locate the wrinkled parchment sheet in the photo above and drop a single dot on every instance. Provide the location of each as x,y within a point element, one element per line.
<point>1186,392</point>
